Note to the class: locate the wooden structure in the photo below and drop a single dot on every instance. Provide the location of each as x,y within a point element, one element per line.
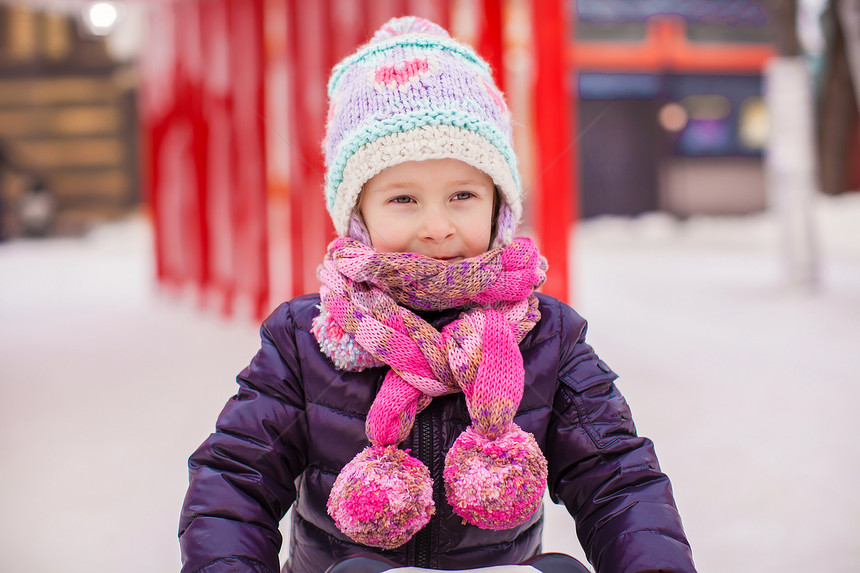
<point>67,119</point>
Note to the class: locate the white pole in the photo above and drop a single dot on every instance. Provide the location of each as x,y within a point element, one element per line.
<point>790,166</point>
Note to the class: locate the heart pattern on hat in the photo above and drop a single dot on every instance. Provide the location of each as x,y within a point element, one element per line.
<point>396,76</point>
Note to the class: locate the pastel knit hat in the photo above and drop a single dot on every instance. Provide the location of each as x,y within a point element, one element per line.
<point>413,93</point>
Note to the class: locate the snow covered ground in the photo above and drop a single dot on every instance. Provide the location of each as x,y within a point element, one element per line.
<point>748,386</point>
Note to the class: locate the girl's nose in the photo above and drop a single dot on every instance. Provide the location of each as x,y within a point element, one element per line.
<point>436,225</point>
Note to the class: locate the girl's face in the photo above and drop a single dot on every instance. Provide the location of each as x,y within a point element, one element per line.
<point>442,208</point>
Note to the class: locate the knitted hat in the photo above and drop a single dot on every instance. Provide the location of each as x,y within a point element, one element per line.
<point>413,93</point>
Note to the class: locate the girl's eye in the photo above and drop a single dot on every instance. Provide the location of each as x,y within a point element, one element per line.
<point>401,199</point>
<point>464,195</point>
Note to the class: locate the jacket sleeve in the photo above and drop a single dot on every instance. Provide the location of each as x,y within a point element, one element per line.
<point>241,479</point>
<point>607,476</point>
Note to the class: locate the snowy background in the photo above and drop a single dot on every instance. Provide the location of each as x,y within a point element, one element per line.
<point>748,386</point>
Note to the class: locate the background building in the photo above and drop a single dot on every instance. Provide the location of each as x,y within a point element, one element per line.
<point>671,106</point>
<point>67,121</point>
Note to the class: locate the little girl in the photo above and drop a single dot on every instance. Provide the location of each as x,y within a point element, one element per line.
<point>420,405</point>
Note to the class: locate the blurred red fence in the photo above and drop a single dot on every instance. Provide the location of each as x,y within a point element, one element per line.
<point>233,104</point>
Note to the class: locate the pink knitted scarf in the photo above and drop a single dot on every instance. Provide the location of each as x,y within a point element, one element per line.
<point>495,473</point>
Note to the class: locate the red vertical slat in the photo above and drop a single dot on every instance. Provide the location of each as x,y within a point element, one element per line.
<point>156,104</point>
<point>434,10</point>
<point>297,169</point>
<point>261,296</point>
<point>380,11</point>
<point>178,209</point>
<point>490,39</point>
<point>197,223</point>
<point>309,69</point>
<point>249,216</point>
<point>556,149</point>
<point>276,130</point>
<point>347,19</point>
<point>172,150</point>
<point>322,231</point>
<point>216,110</point>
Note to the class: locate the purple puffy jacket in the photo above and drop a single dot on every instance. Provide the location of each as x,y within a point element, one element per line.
<point>296,421</point>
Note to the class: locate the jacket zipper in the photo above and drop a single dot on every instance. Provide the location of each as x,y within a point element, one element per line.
<point>425,454</point>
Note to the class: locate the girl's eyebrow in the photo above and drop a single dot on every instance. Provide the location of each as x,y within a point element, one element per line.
<point>470,181</point>
<point>400,185</point>
<point>395,186</point>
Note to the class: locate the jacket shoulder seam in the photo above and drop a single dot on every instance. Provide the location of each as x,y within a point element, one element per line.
<point>351,414</point>
<point>247,560</point>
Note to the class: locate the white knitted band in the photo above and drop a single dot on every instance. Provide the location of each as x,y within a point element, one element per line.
<point>425,142</point>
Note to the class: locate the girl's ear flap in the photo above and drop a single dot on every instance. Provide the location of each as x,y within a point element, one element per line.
<point>357,229</point>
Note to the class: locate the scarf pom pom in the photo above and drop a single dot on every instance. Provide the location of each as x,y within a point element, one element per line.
<point>340,346</point>
<point>498,483</point>
<point>382,497</point>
